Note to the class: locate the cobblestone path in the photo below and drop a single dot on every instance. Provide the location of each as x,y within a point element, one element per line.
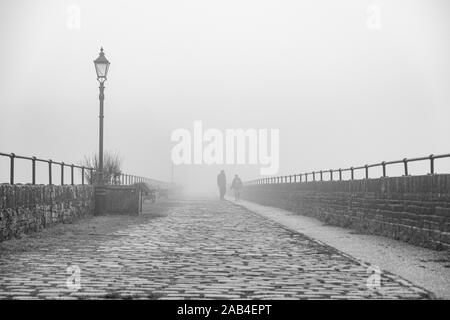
<point>188,249</point>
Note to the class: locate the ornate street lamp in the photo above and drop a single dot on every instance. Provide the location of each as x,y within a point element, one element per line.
<point>101,68</point>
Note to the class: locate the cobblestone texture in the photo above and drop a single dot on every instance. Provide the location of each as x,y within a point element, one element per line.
<point>197,249</point>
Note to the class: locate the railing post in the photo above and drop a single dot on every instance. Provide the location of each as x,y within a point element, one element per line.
<point>321,175</point>
<point>301,177</point>
<point>352,173</point>
<point>314,175</point>
<point>62,173</point>
<point>384,169</point>
<point>331,174</point>
<point>11,168</point>
<point>50,182</point>
<point>71,174</point>
<point>33,170</point>
<point>340,174</point>
<point>431,164</point>
<point>82,175</point>
<point>306,177</point>
<point>367,171</point>
<point>405,164</point>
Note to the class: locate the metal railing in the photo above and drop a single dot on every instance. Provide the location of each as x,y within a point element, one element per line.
<point>303,177</point>
<point>122,179</point>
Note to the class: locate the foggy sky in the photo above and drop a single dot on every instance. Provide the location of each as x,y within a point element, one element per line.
<point>340,93</point>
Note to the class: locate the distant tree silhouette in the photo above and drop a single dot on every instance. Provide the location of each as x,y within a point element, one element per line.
<point>112,163</point>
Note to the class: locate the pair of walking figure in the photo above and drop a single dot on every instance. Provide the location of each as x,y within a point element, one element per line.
<point>236,185</point>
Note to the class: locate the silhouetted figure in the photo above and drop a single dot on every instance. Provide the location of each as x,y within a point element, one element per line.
<point>222,183</point>
<point>237,185</point>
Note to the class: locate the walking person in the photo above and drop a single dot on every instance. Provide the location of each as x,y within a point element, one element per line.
<point>222,183</point>
<point>237,185</point>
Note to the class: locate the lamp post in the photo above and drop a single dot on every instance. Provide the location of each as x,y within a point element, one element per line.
<point>101,68</point>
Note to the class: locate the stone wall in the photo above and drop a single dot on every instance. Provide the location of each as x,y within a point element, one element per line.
<point>123,199</point>
<point>28,208</point>
<point>414,209</point>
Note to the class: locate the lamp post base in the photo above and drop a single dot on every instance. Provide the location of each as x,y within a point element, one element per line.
<point>100,200</point>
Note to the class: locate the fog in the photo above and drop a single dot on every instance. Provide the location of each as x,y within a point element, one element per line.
<point>344,85</point>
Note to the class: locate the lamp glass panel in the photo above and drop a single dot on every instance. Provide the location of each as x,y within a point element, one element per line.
<point>101,69</point>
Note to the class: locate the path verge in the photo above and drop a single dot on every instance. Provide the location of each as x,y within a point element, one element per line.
<point>427,268</point>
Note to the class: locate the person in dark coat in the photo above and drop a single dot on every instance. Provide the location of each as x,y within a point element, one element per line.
<point>222,183</point>
<point>237,185</point>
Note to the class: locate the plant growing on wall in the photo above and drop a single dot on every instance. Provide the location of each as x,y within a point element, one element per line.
<point>112,163</point>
